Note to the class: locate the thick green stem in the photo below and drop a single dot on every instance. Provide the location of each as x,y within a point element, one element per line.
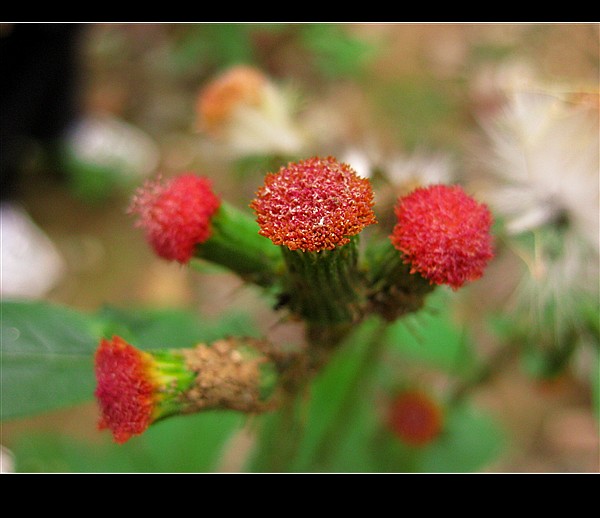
<point>328,441</point>
<point>325,287</point>
<point>236,244</point>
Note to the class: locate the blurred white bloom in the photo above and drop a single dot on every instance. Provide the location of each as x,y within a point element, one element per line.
<point>247,112</point>
<point>545,172</point>
<point>108,143</point>
<point>545,158</point>
<point>31,263</point>
<point>419,169</point>
<point>363,160</point>
<point>489,84</point>
<point>402,172</point>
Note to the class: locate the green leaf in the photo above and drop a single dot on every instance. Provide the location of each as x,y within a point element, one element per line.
<point>432,337</point>
<point>170,328</point>
<point>470,442</point>
<point>214,45</point>
<point>48,350</point>
<point>336,51</point>
<point>186,444</point>
<point>47,357</point>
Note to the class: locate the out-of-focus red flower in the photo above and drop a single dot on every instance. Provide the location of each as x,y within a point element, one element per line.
<point>175,214</point>
<point>312,205</point>
<point>415,418</point>
<point>443,234</point>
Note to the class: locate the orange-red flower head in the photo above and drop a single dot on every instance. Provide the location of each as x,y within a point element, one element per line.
<point>176,214</point>
<point>443,234</point>
<point>126,388</point>
<point>312,205</point>
<point>415,418</point>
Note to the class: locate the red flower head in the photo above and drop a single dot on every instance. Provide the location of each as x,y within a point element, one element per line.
<point>126,390</point>
<point>444,234</point>
<point>176,215</point>
<point>313,205</point>
<point>415,418</point>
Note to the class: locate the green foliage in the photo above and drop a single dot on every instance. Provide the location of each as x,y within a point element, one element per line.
<point>330,48</point>
<point>470,441</point>
<point>208,46</point>
<point>47,357</point>
<point>47,350</point>
<point>432,338</point>
<point>339,425</point>
<point>170,328</point>
<point>336,53</point>
<point>181,444</point>
<point>311,421</point>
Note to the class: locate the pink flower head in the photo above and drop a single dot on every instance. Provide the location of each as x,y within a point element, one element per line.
<point>176,214</point>
<point>312,205</point>
<point>415,418</point>
<point>126,388</point>
<point>444,234</point>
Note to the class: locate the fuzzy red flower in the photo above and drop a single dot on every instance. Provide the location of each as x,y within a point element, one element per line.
<point>312,205</point>
<point>175,215</point>
<point>125,388</point>
<point>415,418</point>
<point>444,234</point>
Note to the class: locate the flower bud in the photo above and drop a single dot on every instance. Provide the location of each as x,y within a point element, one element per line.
<point>314,209</point>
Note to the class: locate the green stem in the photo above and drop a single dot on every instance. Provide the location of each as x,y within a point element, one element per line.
<point>393,290</point>
<point>329,440</point>
<point>236,244</point>
<point>286,437</point>
<point>325,287</point>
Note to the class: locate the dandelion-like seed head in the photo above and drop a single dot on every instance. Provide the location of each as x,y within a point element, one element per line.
<point>415,418</point>
<point>126,388</point>
<point>175,214</point>
<point>444,234</point>
<point>312,205</point>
